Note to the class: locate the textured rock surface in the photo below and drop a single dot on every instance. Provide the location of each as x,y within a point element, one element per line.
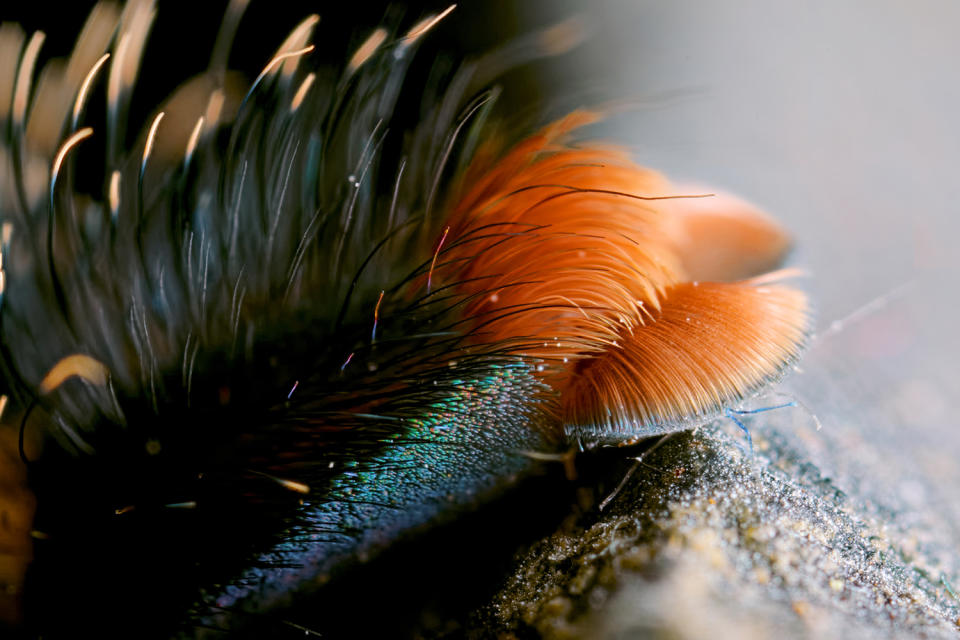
<point>705,540</point>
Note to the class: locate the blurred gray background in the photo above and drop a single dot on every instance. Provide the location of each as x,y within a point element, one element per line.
<point>842,119</point>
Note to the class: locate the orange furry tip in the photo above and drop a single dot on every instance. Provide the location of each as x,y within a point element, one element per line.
<point>711,346</point>
<point>587,263</point>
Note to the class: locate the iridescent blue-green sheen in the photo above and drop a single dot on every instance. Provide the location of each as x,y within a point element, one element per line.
<point>456,451</point>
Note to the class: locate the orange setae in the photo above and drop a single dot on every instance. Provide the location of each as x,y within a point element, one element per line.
<point>579,257</point>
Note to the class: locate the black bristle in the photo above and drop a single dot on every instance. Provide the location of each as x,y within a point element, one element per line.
<point>253,425</point>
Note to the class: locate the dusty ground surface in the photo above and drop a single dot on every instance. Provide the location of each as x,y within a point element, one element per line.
<point>705,540</point>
